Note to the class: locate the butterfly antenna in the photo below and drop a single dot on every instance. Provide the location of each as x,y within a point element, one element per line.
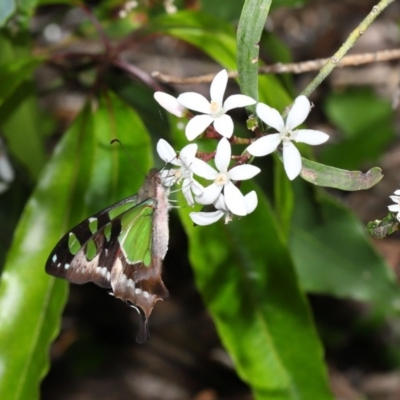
<point>127,154</point>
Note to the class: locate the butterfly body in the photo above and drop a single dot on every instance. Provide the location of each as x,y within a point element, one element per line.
<point>121,248</point>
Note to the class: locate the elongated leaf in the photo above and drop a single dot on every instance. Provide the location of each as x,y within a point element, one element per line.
<point>85,174</point>
<point>14,73</point>
<point>215,37</point>
<point>20,115</point>
<point>27,6</point>
<point>23,131</point>
<point>251,290</point>
<point>251,25</point>
<point>266,88</point>
<point>333,256</point>
<point>246,278</point>
<point>327,176</point>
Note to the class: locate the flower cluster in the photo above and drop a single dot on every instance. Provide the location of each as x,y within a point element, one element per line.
<point>223,193</point>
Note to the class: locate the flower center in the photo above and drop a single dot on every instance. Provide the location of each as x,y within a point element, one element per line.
<point>221,179</point>
<point>178,175</point>
<point>216,110</point>
<point>287,135</point>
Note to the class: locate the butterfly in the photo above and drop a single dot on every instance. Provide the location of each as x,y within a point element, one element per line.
<point>121,248</point>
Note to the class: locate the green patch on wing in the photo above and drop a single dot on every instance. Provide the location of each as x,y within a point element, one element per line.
<point>93,223</point>
<point>107,232</point>
<point>73,243</point>
<point>117,211</point>
<point>136,232</point>
<point>91,250</point>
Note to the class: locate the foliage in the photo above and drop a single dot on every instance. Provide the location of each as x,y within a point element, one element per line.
<point>255,290</point>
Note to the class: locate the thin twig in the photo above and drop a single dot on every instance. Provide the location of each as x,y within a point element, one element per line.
<point>351,60</point>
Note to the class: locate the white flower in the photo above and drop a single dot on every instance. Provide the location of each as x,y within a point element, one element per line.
<point>170,103</point>
<point>286,133</point>
<point>208,218</point>
<point>395,207</point>
<point>183,174</point>
<point>223,178</point>
<point>214,111</point>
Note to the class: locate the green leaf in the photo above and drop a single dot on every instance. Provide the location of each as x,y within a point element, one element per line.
<point>7,9</point>
<point>14,73</point>
<point>20,116</point>
<point>366,124</point>
<point>332,253</point>
<point>251,25</point>
<point>23,131</point>
<point>227,10</point>
<point>27,6</point>
<point>250,288</point>
<point>85,174</point>
<point>327,176</point>
<point>289,3</point>
<point>283,197</point>
<point>213,36</point>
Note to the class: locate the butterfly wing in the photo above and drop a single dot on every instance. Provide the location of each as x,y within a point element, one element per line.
<point>114,249</point>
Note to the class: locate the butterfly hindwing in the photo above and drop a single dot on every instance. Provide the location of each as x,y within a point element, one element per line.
<point>121,248</point>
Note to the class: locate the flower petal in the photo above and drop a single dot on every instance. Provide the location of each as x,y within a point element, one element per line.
<point>218,86</point>
<point>168,177</point>
<point>223,155</point>
<point>311,136</point>
<point>197,125</point>
<point>291,160</point>
<point>270,116</point>
<point>209,195</point>
<point>243,172</point>
<point>166,151</point>
<point>251,201</point>
<point>265,145</point>
<point>395,199</point>
<point>220,204</point>
<point>298,113</point>
<point>201,168</point>
<point>224,125</point>
<point>394,208</point>
<point>194,101</point>
<point>187,193</point>
<point>397,192</point>
<point>234,199</point>
<point>187,154</point>
<point>238,100</point>
<point>197,188</point>
<point>206,218</point>
<point>170,103</point>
